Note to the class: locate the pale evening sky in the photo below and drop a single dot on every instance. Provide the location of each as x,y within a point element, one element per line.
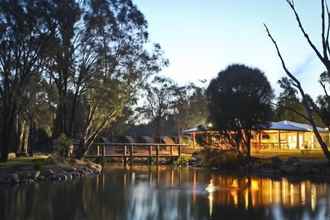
<point>202,37</point>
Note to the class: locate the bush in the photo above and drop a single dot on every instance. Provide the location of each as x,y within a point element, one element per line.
<point>63,145</point>
<point>227,159</point>
<point>183,161</point>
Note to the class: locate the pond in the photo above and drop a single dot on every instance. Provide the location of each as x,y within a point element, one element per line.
<point>165,193</point>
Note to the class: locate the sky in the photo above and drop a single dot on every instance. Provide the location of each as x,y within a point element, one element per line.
<point>202,37</point>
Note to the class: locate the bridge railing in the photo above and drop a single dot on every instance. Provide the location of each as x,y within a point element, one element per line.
<point>134,150</point>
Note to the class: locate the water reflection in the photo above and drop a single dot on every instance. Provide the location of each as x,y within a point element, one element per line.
<point>142,192</point>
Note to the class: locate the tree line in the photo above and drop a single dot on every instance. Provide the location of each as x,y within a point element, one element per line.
<point>70,67</point>
<point>240,97</point>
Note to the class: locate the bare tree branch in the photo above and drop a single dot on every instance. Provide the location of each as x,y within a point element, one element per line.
<point>304,99</point>
<point>302,29</point>
<point>296,82</point>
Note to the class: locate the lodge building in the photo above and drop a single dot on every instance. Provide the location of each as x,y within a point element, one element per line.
<point>279,136</point>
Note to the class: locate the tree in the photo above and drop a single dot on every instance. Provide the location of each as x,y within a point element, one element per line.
<point>239,102</point>
<point>159,102</point>
<point>323,55</point>
<point>288,105</point>
<point>190,107</point>
<point>85,61</point>
<point>98,62</point>
<point>23,39</point>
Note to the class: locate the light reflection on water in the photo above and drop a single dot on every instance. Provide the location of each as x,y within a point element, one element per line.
<point>142,192</point>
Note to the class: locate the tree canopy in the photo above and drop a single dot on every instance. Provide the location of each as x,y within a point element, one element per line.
<point>81,63</point>
<point>240,100</point>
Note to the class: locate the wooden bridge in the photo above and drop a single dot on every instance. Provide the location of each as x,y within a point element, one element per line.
<point>129,151</point>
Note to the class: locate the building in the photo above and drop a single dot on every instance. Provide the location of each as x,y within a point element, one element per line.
<point>279,136</point>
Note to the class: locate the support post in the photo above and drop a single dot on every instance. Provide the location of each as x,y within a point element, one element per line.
<point>103,154</point>
<point>297,142</point>
<point>171,150</point>
<point>279,139</point>
<point>131,154</point>
<point>157,154</point>
<point>125,155</point>
<point>150,154</point>
<point>98,150</point>
<point>194,139</point>
<point>179,150</point>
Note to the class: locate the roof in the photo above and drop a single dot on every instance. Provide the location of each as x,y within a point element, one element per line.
<point>293,126</point>
<point>280,125</point>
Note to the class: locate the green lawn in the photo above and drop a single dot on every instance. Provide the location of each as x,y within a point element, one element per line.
<point>317,154</point>
<point>25,161</point>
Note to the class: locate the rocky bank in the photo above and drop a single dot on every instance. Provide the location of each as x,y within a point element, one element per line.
<point>52,172</point>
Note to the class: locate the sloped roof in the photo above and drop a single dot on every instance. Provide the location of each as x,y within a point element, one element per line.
<point>280,125</point>
<point>293,126</point>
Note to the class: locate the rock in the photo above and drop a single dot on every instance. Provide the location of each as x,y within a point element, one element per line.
<point>315,171</point>
<point>63,177</point>
<point>13,178</point>
<point>69,169</point>
<point>4,180</point>
<point>11,156</point>
<point>35,174</point>
<point>69,176</point>
<point>41,178</point>
<point>288,169</point>
<point>27,181</point>
<point>47,172</point>
<point>292,161</point>
<point>276,162</point>
<point>54,177</point>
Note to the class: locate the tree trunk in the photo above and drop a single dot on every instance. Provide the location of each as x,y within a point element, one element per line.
<point>247,142</point>
<point>23,138</point>
<point>7,130</point>
<point>315,130</point>
<point>80,151</point>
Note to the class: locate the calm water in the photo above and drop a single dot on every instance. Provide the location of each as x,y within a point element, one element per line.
<point>141,192</point>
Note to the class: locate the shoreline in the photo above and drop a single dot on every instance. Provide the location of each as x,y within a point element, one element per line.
<point>293,169</point>
<point>48,172</point>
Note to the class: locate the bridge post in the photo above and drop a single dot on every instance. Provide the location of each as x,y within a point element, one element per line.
<point>98,150</point>
<point>179,150</point>
<point>150,154</point>
<point>131,154</point>
<point>157,154</point>
<point>103,153</point>
<point>124,155</point>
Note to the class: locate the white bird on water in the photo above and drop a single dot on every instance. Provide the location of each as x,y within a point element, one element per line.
<point>210,187</point>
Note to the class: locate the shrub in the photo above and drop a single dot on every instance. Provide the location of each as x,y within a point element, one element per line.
<point>227,159</point>
<point>63,145</point>
<point>183,161</point>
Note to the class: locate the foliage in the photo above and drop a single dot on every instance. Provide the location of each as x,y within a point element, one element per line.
<point>190,106</point>
<point>23,39</point>
<point>287,102</point>
<point>182,106</point>
<point>289,106</point>
<point>323,56</point>
<point>159,102</point>
<point>71,67</point>
<point>183,161</point>
<point>226,159</point>
<point>62,145</point>
<point>240,101</point>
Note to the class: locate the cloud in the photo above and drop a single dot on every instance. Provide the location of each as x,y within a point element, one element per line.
<point>305,65</point>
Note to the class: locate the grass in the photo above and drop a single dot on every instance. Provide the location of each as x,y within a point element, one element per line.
<point>314,155</point>
<point>35,161</point>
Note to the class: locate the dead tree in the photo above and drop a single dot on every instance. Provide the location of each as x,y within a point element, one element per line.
<point>323,56</point>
